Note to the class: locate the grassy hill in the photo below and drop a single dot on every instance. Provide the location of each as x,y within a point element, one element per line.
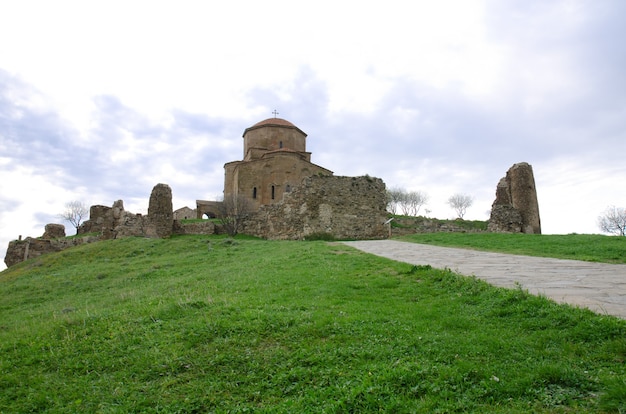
<point>209,324</point>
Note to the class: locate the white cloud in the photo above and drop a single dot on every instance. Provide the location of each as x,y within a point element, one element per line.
<point>573,193</point>
<point>29,195</point>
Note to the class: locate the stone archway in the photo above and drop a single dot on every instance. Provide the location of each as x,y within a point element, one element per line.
<point>210,209</point>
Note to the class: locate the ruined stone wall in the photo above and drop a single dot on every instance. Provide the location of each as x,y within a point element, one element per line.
<point>53,231</point>
<point>516,207</point>
<point>28,248</point>
<point>97,216</point>
<point>413,225</point>
<point>505,219</point>
<point>203,227</point>
<point>346,207</point>
<point>115,222</point>
<point>107,222</point>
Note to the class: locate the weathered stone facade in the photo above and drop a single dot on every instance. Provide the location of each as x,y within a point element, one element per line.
<point>345,207</point>
<point>516,207</point>
<point>275,161</point>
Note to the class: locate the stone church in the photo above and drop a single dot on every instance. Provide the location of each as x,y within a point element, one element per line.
<point>275,160</point>
<point>291,197</point>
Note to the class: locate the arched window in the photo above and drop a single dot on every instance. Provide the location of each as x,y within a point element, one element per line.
<point>280,144</point>
<point>254,192</point>
<point>287,188</point>
<point>273,192</point>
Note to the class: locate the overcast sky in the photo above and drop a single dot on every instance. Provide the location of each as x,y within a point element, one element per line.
<point>100,101</point>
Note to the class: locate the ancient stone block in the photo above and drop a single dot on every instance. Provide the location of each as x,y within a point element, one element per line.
<point>54,231</point>
<point>17,251</point>
<point>97,215</point>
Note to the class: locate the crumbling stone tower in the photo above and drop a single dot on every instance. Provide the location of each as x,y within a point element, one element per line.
<point>160,211</point>
<point>516,208</point>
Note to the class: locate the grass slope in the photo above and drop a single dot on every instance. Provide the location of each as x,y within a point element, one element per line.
<point>207,324</point>
<point>588,247</point>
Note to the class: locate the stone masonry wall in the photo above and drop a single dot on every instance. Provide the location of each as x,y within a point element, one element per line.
<point>204,227</point>
<point>115,222</point>
<point>346,207</point>
<point>516,209</point>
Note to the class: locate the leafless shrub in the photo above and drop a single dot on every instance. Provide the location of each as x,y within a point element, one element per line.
<point>613,220</point>
<point>460,203</point>
<point>75,212</point>
<point>233,210</point>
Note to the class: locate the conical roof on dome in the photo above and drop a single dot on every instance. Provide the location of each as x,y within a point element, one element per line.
<point>279,122</point>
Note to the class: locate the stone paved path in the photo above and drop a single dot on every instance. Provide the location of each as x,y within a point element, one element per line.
<point>598,286</point>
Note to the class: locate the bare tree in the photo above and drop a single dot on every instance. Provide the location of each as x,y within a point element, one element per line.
<point>414,201</point>
<point>403,201</point>
<point>613,221</point>
<point>75,212</point>
<point>394,199</point>
<point>233,210</point>
<point>409,202</point>
<point>460,203</point>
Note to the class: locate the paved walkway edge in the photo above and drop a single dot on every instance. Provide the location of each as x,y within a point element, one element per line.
<point>600,287</point>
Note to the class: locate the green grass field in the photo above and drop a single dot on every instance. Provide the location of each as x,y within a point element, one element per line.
<point>198,324</point>
<point>588,247</point>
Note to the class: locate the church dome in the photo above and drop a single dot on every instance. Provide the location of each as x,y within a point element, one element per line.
<point>273,122</point>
